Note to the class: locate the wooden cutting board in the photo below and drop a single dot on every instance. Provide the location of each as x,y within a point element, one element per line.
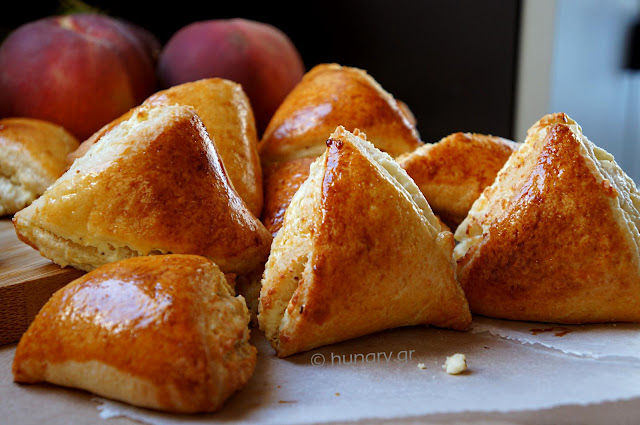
<point>27,280</point>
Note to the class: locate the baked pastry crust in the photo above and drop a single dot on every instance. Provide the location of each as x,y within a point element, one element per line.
<point>452,173</point>
<point>281,182</point>
<point>330,95</point>
<point>164,332</point>
<point>248,285</point>
<point>32,156</point>
<point>226,113</point>
<point>555,238</point>
<point>359,251</point>
<point>152,185</point>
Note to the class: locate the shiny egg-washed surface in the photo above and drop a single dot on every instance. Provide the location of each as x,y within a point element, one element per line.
<point>544,242</point>
<point>157,186</point>
<point>226,113</point>
<point>453,172</point>
<point>162,331</point>
<point>329,96</point>
<point>374,262</point>
<point>281,182</point>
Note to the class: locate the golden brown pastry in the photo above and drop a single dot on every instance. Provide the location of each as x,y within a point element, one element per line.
<point>164,332</point>
<point>32,156</point>
<point>555,237</point>
<point>406,111</point>
<point>281,182</point>
<point>226,113</point>
<point>330,95</point>
<point>452,173</point>
<point>154,184</point>
<point>359,251</point>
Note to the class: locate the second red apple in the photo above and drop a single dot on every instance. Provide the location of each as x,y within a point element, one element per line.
<point>258,56</point>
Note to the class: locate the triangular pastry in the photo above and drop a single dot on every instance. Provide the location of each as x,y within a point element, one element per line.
<point>330,95</point>
<point>359,251</point>
<point>452,173</point>
<point>281,182</point>
<point>226,113</point>
<point>32,157</point>
<point>152,185</point>
<point>555,238</point>
<point>164,332</point>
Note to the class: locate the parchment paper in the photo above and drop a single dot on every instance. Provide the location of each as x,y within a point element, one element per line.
<point>513,366</point>
<point>617,340</point>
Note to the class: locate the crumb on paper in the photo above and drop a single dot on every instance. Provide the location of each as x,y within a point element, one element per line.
<point>455,364</point>
<point>421,366</point>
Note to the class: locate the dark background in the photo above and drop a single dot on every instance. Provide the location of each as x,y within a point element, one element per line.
<point>453,62</point>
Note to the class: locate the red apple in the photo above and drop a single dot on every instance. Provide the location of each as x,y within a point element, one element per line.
<point>257,55</point>
<point>150,42</point>
<point>79,71</point>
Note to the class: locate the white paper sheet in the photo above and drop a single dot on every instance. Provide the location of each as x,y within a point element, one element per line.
<point>621,340</point>
<point>510,369</point>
